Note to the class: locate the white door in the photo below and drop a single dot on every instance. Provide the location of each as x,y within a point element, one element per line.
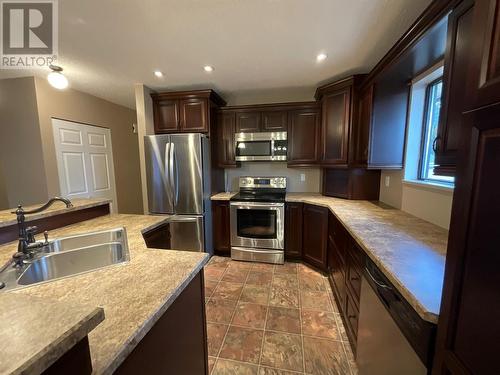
<point>84,161</point>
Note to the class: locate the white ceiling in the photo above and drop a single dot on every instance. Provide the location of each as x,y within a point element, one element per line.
<point>256,46</point>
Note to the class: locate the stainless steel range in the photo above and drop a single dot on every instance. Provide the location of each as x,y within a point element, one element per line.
<point>258,220</point>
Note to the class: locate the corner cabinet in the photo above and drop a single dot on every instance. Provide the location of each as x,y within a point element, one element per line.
<point>314,235</point>
<point>184,111</point>
<point>225,140</point>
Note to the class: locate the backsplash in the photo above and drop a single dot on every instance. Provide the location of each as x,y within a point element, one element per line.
<point>312,176</point>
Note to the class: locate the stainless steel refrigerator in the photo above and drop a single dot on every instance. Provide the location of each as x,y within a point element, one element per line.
<point>178,179</point>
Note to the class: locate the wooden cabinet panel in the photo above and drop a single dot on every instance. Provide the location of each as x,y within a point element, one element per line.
<point>303,137</point>
<point>359,151</point>
<point>335,127</point>
<point>454,81</point>
<point>293,230</point>
<point>314,236</point>
<point>483,84</point>
<point>194,115</point>
<point>274,121</point>
<point>158,238</point>
<point>221,227</point>
<point>225,139</point>
<point>166,115</point>
<point>353,275</point>
<point>248,121</point>
<point>351,317</point>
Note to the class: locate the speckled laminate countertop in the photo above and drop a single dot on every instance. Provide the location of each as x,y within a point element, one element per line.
<point>35,332</point>
<point>223,196</point>
<point>409,251</point>
<point>8,218</point>
<point>134,295</point>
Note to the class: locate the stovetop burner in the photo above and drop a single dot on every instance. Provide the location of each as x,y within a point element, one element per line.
<point>261,189</point>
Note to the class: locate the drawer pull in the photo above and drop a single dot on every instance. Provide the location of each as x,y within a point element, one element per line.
<point>352,316</point>
<point>354,278</point>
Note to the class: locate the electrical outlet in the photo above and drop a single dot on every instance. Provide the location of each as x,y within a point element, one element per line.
<point>302,177</point>
<point>387,181</point>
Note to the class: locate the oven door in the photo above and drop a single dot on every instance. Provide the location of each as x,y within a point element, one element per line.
<point>257,224</point>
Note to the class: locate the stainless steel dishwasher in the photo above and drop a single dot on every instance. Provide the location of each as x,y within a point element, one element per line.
<point>382,348</point>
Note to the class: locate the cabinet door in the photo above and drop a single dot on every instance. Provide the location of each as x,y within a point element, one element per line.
<point>274,121</point>
<point>315,234</point>
<point>454,81</point>
<point>166,115</point>
<point>225,138</point>
<point>362,128</point>
<point>221,228</point>
<point>194,115</point>
<point>248,121</point>
<point>303,137</point>
<point>293,230</point>
<point>483,83</point>
<point>335,127</point>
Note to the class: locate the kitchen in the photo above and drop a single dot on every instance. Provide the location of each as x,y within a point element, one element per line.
<point>329,219</point>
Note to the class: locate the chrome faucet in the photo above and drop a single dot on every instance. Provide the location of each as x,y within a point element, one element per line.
<point>27,242</point>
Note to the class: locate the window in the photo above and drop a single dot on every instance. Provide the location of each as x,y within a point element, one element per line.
<point>429,133</point>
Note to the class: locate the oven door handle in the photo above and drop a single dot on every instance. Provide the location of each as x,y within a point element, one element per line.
<point>250,205</point>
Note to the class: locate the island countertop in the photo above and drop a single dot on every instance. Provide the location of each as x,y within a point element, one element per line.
<point>409,251</point>
<point>134,295</point>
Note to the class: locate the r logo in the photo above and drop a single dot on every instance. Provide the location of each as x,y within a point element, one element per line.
<point>28,27</point>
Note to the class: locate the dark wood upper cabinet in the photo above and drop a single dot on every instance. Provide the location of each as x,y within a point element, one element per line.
<point>248,121</point>
<point>184,111</point>
<point>293,230</point>
<point>221,227</point>
<point>459,39</point>
<point>274,120</point>
<point>303,137</point>
<point>225,139</point>
<point>166,115</point>
<point>315,235</point>
<point>483,84</point>
<point>361,133</point>
<point>194,115</point>
<point>335,120</point>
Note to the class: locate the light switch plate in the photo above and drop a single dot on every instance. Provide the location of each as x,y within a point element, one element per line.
<point>302,177</point>
<point>387,181</point>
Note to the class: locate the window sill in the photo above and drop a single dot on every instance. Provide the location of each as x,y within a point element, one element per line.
<point>429,185</point>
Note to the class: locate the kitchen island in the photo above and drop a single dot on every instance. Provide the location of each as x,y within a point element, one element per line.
<point>136,296</point>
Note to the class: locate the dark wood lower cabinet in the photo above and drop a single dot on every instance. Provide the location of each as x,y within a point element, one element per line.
<point>177,343</point>
<point>158,238</point>
<point>76,361</point>
<point>314,235</point>
<point>293,230</point>
<point>221,227</point>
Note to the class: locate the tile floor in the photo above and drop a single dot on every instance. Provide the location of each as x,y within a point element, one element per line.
<point>273,320</point>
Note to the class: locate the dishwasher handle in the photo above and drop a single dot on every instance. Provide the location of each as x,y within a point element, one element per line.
<point>377,283</point>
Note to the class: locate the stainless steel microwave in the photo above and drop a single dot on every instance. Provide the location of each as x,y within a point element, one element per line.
<point>265,146</point>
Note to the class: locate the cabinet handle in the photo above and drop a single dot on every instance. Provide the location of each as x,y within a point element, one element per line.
<point>354,278</point>
<point>434,144</point>
<point>351,316</point>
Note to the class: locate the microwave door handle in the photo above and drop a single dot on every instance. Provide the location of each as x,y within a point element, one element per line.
<point>272,149</point>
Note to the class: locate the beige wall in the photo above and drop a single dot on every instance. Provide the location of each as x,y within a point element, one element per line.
<point>145,126</point>
<point>426,202</point>
<point>311,184</point>
<point>21,154</point>
<point>77,106</point>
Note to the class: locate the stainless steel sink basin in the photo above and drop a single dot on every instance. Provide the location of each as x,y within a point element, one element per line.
<point>69,256</point>
<point>57,265</point>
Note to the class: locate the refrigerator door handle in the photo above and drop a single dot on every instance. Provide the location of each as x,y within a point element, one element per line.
<point>171,172</point>
<point>168,162</point>
<point>176,181</point>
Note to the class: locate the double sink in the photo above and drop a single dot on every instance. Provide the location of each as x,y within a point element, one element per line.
<point>68,256</point>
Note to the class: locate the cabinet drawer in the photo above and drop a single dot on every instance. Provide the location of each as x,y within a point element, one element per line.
<point>351,318</point>
<point>353,277</point>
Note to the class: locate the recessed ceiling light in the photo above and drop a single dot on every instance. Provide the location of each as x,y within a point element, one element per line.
<point>208,68</point>
<point>56,78</point>
<point>158,73</point>
<point>321,57</point>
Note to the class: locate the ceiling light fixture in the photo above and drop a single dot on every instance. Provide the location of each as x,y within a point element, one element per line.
<point>158,73</point>
<point>321,57</point>
<point>208,68</point>
<point>56,78</point>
